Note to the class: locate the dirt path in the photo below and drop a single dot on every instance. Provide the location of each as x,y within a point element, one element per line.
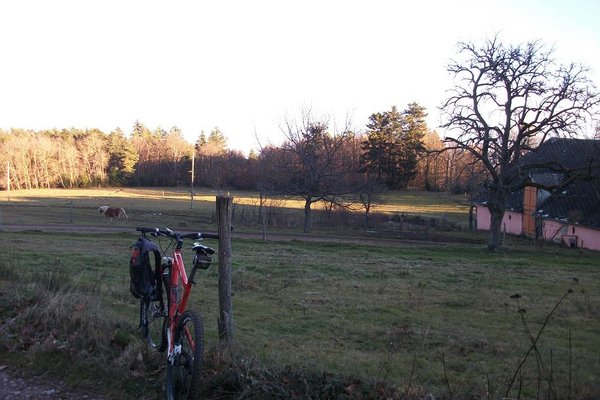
<point>67,228</point>
<point>405,238</point>
<point>13,387</point>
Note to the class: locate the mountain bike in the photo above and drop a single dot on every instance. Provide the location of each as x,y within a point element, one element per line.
<point>166,322</point>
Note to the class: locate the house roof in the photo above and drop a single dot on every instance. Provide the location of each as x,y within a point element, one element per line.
<point>577,203</point>
<point>560,154</point>
<point>552,163</point>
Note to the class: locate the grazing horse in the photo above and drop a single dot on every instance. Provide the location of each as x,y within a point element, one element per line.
<point>112,212</point>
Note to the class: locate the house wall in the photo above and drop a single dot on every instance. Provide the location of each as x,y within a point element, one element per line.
<point>552,230</point>
<point>511,223</point>
<point>583,237</point>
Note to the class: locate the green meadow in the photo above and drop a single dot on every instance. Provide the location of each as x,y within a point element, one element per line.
<point>444,317</point>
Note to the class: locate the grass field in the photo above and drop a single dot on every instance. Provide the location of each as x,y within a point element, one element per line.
<point>174,207</point>
<point>437,317</point>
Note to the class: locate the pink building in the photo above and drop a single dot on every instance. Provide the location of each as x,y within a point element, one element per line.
<point>571,235</point>
<point>559,231</point>
<point>565,214</point>
<point>512,222</point>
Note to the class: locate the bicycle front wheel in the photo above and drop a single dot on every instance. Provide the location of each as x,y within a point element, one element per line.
<point>183,373</point>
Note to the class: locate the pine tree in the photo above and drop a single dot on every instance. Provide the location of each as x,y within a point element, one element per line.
<point>123,158</point>
<point>393,143</point>
<point>217,142</point>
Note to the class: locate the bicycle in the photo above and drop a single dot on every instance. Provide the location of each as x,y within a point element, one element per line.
<point>166,322</point>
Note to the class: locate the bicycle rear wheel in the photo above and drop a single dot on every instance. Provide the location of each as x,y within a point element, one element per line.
<point>156,317</point>
<point>183,374</point>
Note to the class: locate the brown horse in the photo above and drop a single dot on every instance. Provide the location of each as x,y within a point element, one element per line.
<point>112,212</point>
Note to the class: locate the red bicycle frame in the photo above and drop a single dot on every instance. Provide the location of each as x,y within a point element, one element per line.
<point>177,290</point>
<point>178,298</point>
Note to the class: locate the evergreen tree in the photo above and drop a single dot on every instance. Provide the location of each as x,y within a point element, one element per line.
<point>393,143</point>
<point>214,145</point>
<point>200,142</point>
<point>123,158</point>
<point>139,129</point>
<point>217,142</point>
<point>414,131</point>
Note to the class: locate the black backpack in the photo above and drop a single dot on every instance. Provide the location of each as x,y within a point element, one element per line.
<point>145,270</point>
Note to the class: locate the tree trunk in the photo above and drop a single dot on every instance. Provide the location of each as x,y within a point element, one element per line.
<point>495,230</point>
<point>496,206</point>
<point>307,214</point>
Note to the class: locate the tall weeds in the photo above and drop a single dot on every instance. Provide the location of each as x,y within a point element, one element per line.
<point>545,372</point>
<point>54,309</point>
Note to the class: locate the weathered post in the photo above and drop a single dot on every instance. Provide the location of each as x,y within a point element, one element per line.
<point>224,213</point>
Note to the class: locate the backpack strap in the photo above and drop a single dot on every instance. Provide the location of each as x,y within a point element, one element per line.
<point>158,272</point>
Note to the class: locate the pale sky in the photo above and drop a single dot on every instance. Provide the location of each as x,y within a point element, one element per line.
<point>246,66</point>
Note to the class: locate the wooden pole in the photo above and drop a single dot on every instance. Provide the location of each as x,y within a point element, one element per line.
<point>224,213</point>
<point>192,183</point>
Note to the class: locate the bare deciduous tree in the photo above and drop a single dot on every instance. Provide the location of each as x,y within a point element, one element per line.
<point>507,101</point>
<point>310,163</point>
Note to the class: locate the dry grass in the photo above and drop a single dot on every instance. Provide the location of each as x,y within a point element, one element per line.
<point>80,205</point>
<point>418,315</point>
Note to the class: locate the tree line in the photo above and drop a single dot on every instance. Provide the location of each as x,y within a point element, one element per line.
<point>344,168</point>
<point>393,151</point>
<point>507,100</point>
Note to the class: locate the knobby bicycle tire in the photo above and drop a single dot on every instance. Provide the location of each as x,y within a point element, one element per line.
<point>156,316</point>
<point>183,374</point>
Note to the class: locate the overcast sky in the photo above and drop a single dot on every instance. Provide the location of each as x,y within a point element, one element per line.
<point>245,66</point>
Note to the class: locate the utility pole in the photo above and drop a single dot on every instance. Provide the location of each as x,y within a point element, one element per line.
<point>192,183</point>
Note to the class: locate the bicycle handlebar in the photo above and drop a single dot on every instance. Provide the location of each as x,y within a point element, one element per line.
<point>176,235</point>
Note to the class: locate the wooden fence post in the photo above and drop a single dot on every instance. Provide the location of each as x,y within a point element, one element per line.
<point>224,213</point>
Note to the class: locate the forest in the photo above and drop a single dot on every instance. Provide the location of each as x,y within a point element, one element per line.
<point>395,150</point>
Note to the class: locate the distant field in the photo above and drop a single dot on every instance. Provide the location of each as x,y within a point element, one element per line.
<point>174,207</point>
<point>439,316</point>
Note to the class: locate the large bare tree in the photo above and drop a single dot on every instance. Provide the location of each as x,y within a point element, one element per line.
<point>310,164</point>
<point>508,100</point>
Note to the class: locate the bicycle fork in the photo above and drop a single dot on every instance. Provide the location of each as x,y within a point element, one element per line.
<point>174,350</point>
<point>174,355</point>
